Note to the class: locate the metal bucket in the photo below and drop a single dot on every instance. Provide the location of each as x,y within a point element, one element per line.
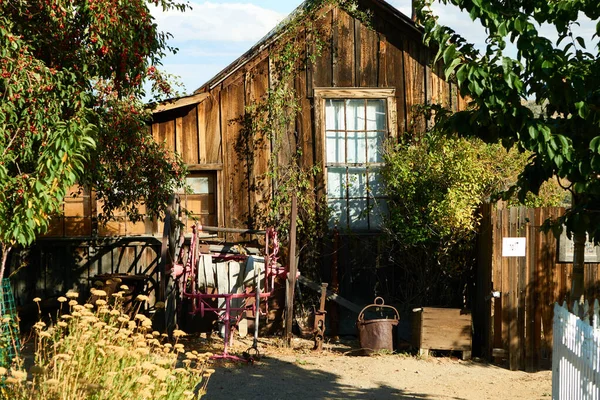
<point>376,334</point>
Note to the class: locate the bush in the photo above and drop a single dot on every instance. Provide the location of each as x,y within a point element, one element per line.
<point>96,351</point>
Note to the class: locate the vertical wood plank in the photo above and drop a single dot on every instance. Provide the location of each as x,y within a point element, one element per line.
<point>201,121</point>
<point>189,136</point>
<point>513,302</point>
<point>506,288</point>
<point>529,278</point>
<point>209,129</point>
<point>235,189</point>
<point>179,136</point>
<point>257,89</point>
<point>497,277</point>
<point>322,70</point>
<point>391,74</point>
<point>415,82</point>
<point>367,50</point>
<point>343,49</point>
<point>538,282</point>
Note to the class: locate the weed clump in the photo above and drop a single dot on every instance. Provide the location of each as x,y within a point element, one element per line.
<point>97,351</point>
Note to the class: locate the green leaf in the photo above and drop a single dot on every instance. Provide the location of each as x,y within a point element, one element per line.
<point>595,144</point>
<point>450,69</point>
<point>449,54</point>
<point>461,74</point>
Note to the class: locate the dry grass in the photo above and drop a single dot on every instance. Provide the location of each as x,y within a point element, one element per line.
<point>96,351</point>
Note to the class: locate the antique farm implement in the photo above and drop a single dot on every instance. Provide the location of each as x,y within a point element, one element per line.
<point>228,281</point>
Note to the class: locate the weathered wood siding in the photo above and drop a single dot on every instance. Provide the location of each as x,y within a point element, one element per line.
<point>385,55</point>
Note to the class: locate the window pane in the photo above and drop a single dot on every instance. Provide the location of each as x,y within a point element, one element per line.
<point>334,115</point>
<point>358,214</point>
<point>199,184</point>
<point>355,115</point>
<point>338,216</point>
<point>375,146</point>
<point>335,142</point>
<point>357,182</point>
<point>376,188</point>
<point>336,182</point>
<point>378,213</point>
<point>376,115</point>
<point>357,147</point>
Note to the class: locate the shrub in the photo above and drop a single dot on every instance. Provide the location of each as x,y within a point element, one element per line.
<point>96,351</point>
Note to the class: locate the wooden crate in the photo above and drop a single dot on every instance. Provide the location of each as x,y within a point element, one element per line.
<point>442,329</point>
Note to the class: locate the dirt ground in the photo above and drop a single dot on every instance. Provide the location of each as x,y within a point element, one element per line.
<point>338,373</point>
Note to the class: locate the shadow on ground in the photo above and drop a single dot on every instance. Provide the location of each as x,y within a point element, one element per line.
<point>272,379</point>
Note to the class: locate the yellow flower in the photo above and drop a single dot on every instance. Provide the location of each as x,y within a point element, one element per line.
<point>73,303</point>
<point>124,287</point>
<point>100,293</point>
<point>62,299</point>
<point>100,302</point>
<point>37,299</point>
<point>72,294</point>
<point>39,325</point>
<point>20,375</point>
<point>142,297</point>
<point>3,371</point>
<point>178,333</point>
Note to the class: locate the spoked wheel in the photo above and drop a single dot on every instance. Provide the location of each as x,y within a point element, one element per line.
<point>172,243</point>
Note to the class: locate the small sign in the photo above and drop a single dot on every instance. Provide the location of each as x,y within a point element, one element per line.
<point>513,247</point>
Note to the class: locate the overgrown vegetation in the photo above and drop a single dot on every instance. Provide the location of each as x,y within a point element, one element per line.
<point>97,351</point>
<point>436,183</point>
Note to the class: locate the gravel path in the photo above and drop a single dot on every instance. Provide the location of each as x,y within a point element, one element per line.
<point>335,374</point>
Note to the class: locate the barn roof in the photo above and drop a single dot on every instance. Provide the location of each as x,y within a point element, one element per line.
<point>381,7</point>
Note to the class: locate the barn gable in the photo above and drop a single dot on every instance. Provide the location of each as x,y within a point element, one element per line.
<point>361,62</point>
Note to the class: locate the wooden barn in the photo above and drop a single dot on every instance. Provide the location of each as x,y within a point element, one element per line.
<point>356,75</point>
<point>342,80</point>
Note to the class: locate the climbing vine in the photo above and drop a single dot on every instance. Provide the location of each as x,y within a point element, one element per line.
<point>273,119</point>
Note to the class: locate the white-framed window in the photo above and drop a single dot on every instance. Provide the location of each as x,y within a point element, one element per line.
<point>355,124</point>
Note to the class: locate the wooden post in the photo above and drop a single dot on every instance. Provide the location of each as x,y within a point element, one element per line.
<point>291,277</point>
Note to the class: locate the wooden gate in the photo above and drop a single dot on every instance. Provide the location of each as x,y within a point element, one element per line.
<point>515,296</point>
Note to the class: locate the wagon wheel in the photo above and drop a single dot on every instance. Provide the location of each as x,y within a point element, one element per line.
<point>172,243</point>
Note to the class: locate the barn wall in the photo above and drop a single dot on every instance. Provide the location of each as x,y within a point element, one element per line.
<point>386,55</point>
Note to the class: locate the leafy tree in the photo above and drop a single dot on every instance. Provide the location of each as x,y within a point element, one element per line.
<point>562,77</point>
<point>72,75</point>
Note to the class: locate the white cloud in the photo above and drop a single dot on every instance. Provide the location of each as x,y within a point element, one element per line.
<point>208,21</point>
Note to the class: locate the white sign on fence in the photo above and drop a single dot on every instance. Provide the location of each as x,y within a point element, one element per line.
<point>513,246</point>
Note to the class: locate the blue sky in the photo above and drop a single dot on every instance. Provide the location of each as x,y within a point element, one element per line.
<point>215,33</point>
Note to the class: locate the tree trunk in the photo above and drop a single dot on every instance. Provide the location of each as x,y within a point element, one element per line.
<point>579,239</point>
<point>577,279</point>
<point>5,250</point>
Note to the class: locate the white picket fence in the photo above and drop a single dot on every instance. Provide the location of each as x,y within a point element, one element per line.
<point>576,353</point>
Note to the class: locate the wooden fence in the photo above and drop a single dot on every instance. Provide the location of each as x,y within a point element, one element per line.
<point>513,305</point>
<point>576,356</point>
